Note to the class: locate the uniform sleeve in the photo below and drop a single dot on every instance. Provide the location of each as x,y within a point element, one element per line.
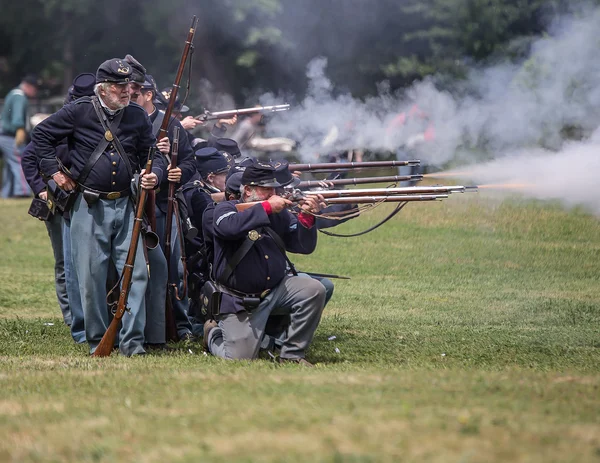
<point>48,134</point>
<point>298,238</point>
<point>229,224</point>
<point>30,170</point>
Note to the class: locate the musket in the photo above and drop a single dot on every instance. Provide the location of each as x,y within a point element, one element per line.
<point>359,200</point>
<point>107,342</point>
<point>360,181</point>
<point>335,166</point>
<point>383,199</point>
<point>411,190</point>
<point>151,207</point>
<point>210,116</point>
<point>171,329</point>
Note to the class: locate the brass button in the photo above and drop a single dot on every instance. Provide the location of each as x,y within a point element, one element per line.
<point>268,278</point>
<point>266,257</point>
<point>112,154</point>
<point>114,173</point>
<point>114,163</point>
<point>114,183</point>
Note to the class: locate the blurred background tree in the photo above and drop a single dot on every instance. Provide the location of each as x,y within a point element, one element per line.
<point>245,47</point>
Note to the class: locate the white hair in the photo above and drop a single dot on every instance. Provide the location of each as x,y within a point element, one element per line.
<point>102,85</point>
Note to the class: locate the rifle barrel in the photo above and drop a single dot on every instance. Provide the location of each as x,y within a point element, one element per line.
<point>413,190</point>
<point>352,165</point>
<point>209,116</point>
<point>384,199</point>
<point>360,181</point>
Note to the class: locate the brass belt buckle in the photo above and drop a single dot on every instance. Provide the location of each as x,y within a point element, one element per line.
<point>265,293</point>
<point>253,235</point>
<point>113,195</point>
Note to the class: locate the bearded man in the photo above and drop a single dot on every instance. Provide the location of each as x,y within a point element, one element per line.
<point>109,140</point>
<point>250,270</point>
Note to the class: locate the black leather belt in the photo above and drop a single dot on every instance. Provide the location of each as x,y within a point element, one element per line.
<point>235,293</point>
<point>106,194</point>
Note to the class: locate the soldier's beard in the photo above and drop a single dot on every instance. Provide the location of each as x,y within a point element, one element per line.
<point>114,102</point>
<point>253,197</point>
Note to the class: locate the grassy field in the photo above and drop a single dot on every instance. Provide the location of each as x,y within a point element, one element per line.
<point>470,332</point>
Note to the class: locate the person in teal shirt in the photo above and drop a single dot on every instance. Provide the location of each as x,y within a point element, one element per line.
<point>14,137</point>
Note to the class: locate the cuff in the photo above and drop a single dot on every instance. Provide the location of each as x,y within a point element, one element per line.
<point>267,207</point>
<point>306,220</point>
<point>49,167</point>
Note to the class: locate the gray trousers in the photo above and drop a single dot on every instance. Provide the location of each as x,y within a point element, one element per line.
<point>156,293</point>
<point>180,308</point>
<point>13,179</point>
<point>101,233</point>
<point>55,232</point>
<point>239,335</point>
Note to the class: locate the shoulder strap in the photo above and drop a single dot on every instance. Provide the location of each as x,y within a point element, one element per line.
<point>281,245</point>
<point>236,259</point>
<point>111,132</point>
<point>160,117</point>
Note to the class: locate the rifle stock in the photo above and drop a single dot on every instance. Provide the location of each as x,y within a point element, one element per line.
<point>107,342</point>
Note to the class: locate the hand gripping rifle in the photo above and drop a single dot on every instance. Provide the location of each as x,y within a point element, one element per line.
<point>151,206</point>
<point>171,329</point>
<point>210,116</point>
<point>108,340</point>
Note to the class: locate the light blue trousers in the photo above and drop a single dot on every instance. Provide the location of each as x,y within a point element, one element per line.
<point>101,233</point>
<point>77,323</point>
<point>55,232</point>
<point>13,179</point>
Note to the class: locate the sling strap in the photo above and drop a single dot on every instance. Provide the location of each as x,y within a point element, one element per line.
<point>93,159</point>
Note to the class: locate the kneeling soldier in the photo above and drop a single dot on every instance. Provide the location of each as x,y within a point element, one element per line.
<point>250,270</point>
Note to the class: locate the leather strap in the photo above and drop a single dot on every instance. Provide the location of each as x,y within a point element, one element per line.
<point>281,245</point>
<point>112,131</point>
<point>236,259</point>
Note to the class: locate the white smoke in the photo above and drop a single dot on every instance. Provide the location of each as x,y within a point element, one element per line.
<point>508,106</point>
<point>569,176</point>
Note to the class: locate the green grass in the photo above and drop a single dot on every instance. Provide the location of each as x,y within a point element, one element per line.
<point>470,331</point>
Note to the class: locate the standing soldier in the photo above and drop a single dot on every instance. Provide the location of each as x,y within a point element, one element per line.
<point>109,140</point>
<point>184,171</point>
<point>14,137</point>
